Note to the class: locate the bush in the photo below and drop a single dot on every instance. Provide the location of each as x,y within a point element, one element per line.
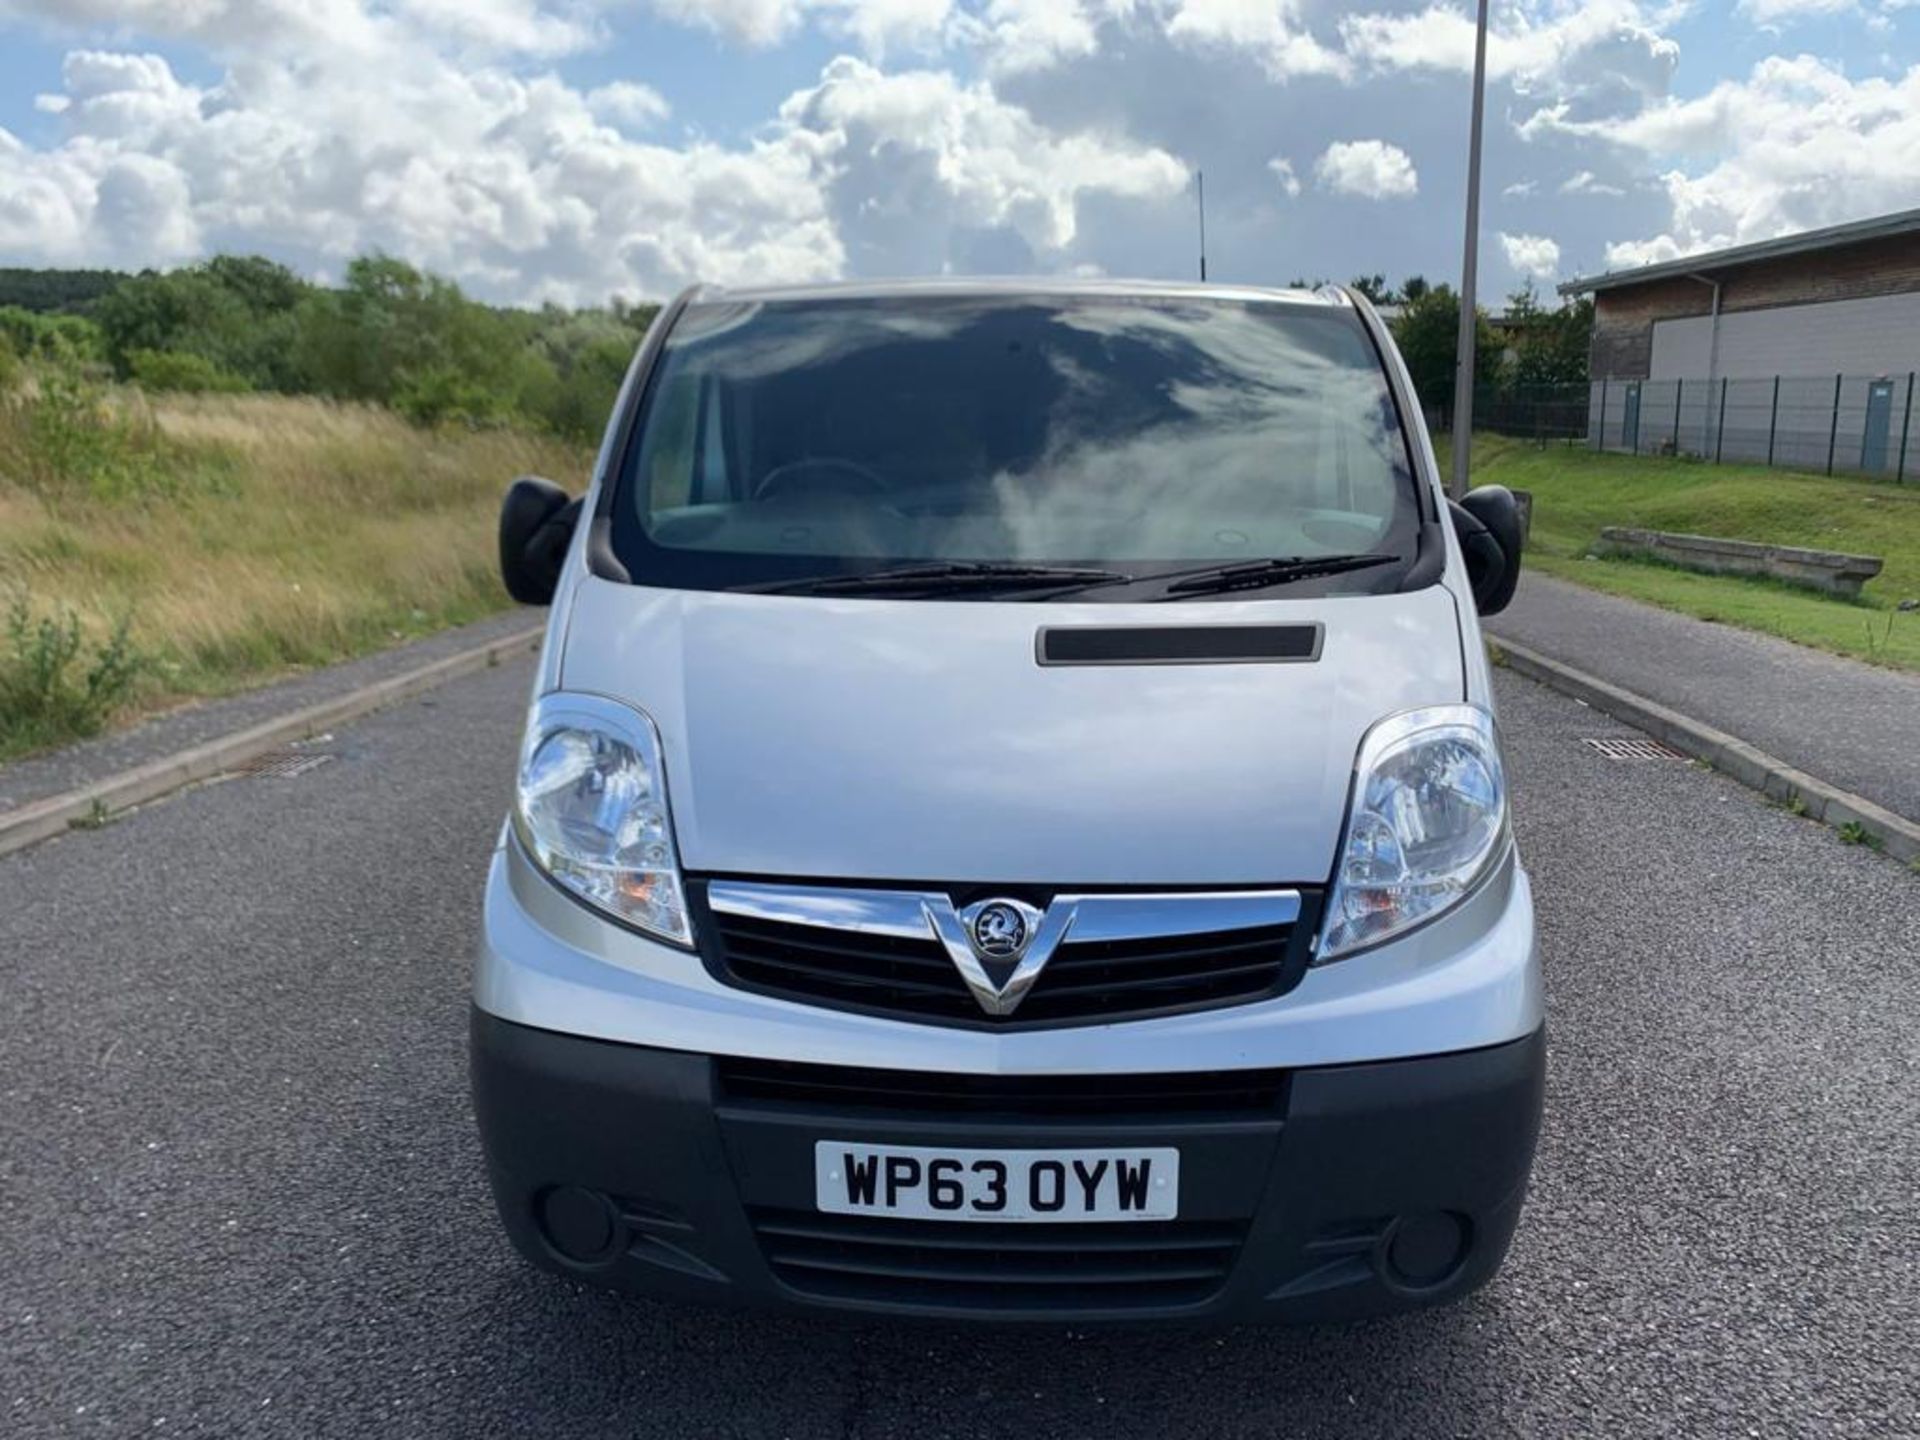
<point>64,434</point>
<point>54,685</point>
<point>181,370</point>
<point>62,339</point>
<point>442,395</point>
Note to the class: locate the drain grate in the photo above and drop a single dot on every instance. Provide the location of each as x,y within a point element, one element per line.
<point>1633,747</point>
<point>282,764</point>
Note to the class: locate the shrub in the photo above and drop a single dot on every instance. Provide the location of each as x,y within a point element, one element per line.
<point>65,434</point>
<point>440,394</point>
<point>56,685</point>
<point>184,371</point>
<point>64,338</point>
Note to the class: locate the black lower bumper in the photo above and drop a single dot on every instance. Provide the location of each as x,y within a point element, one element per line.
<point>1313,1194</point>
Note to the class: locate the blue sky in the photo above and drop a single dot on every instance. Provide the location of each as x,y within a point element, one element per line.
<point>573,149</point>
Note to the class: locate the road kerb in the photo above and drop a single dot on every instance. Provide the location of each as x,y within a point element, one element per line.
<point>1749,764</point>
<point>56,814</point>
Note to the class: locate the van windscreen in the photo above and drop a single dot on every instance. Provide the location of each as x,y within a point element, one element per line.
<point>787,440</point>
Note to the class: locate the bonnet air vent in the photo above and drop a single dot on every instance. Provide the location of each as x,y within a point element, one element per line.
<point>1178,644</point>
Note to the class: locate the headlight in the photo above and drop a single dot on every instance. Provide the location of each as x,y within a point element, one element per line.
<point>591,809</point>
<point>1428,820</point>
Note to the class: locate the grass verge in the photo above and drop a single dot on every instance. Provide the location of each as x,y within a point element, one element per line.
<point>1576,492</point>
<point>238,538</point>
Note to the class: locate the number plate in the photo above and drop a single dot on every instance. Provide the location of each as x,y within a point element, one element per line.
<point>918,1182</point>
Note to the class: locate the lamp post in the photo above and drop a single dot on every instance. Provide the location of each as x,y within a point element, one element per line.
<point>1469,270</point>
<point>1200,191</point>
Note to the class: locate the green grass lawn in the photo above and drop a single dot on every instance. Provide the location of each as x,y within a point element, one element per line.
<point>1576,492</point>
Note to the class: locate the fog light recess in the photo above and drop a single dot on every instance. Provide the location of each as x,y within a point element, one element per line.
<point>581,1226</point>
<point>1427,1250</point>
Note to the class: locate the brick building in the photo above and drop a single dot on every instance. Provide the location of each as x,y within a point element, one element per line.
<point>1801,350</point>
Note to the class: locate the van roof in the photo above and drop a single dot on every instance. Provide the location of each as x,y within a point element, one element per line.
<point>1014,286</point>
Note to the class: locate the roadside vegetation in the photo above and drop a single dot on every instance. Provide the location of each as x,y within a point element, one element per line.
<point>194,545</point>
<point>1576,492</point>
<point>200,492</point>
<point>390,334</point>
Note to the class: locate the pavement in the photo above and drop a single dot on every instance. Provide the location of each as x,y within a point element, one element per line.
<point>1853,725</point>
<point>240,1192</point>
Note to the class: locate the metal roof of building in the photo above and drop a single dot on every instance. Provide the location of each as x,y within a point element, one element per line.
<point>1901,222</point>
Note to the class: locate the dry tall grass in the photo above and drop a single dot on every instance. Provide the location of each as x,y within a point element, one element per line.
<point>315,531</point>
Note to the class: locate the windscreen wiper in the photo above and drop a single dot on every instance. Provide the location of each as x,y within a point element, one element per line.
<point>1256,574</point>
<point>944,576</point>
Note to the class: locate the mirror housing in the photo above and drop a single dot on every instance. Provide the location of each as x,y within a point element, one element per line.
<point>536,526</point>
<point>1487,523</point>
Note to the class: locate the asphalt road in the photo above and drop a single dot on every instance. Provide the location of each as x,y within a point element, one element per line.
<point>240,1193</point>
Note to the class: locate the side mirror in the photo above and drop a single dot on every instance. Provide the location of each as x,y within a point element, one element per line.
<point>1487,523</point>
<point>536,525</point>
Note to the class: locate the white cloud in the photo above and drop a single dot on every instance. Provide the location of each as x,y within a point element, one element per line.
<point>525,188</point>
<point>912,160</point>
<point>1631,254</point>
<point>751,22</point>
<point>1774,13</point>
<point>521,27</point>
<point>960,134</point>
<point>510,185</point>
<point>1023,35</point>
<point>1534,255</point>
<point>628,105</point>
<point>879,25</point>
<point>1794,146</point>
<point>885,26</point>
<point>1270,30</point>
<point>1584,182</point>
<point>1608,55</point>
<point>1370,168</point>
<point>257,27</point>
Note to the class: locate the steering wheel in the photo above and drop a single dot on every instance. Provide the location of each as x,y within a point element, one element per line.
<point>820,472</point>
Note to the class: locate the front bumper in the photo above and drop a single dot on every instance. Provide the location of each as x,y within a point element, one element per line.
<point>1314,1193</point>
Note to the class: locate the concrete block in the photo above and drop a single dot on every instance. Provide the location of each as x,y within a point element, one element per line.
<point>1831,571</point>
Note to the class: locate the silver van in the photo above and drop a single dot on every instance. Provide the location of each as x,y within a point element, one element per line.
<point>1011,821</point>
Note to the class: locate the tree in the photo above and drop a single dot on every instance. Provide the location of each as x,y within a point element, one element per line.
<point>235,312</point>
<point>56,291</point>
<point>588,353</point>
<point>1375,288</point>
<point>1413,287</point>
<point>1428,334</point>
<point>262,285</point>
<point>1546,347</point>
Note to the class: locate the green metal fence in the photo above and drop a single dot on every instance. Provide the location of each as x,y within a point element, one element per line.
<point>1832,424</point>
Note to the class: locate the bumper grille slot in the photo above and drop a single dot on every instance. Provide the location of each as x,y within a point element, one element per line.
<point>998,1267</point>
<point>845,1090</point>
<point>1087,981</point>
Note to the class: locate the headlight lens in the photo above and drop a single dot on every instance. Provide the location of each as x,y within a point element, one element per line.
<point>591,809</point>
<point>1428,820</point>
